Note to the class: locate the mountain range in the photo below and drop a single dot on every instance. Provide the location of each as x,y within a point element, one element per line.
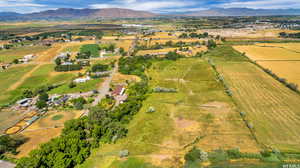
<point>69,13</point>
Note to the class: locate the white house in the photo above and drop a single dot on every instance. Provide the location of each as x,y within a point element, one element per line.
<point>82,80</point>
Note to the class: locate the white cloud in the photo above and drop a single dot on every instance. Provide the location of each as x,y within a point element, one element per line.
<point>19,3</point>
<point>154,6</point>
<point>263,4</point>
<point>21,6</point>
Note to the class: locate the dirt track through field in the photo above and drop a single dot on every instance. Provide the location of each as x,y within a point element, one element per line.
<point>23,78</point>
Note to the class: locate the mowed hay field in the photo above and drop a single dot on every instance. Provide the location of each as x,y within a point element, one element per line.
<point>44,129</point>
<point>289,46</point>
<point>283,59</point>
<point>272,108</point>
<point>289,70</point>
<point>199,110</point>
<point>260,53</point>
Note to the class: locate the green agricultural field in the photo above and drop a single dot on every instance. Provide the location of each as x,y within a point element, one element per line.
<point>271,108</point>
<point>81,87</point>
<point>7,56</point>
<point>200,114</point>
<point>92,48</point>
<point>42,76</point>
<point>75,48</point>
<point>8,78</point>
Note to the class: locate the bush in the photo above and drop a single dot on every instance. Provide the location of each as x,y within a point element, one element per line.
<point>196,155</point>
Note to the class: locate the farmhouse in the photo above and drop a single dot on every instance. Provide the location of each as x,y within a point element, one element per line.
<point>26,58</point>
<point>118,91</point>
<point>25,102</point>
<point>82,80</point>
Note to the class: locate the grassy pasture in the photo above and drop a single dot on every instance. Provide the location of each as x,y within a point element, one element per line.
<point>80,87</point>
<point>42,76</point>
<point>272,108</point>
<point>199,108</point>
<point>8,56</point>
<point>10,77</point>
<point>93,48</point>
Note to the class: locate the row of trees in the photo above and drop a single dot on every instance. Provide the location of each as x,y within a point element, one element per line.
<point>194,35</point>
<point>289,35</point>
<point>64,68</point>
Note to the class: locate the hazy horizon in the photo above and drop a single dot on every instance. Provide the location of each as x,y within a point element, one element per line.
<point>165,6</point>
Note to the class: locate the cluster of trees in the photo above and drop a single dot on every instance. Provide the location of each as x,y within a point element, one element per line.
<point>42,100</point>
<point>173,55</point>
<point>194,157</point>
<point>134,65</point>
<point>64,68</point>
<point>289,35</point>
<point>211,44</point>
<point>110,47</point>
<point>194,35</point>
<point>9,144</point>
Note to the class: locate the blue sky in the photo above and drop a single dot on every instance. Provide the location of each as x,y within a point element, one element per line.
<point>158,6</point>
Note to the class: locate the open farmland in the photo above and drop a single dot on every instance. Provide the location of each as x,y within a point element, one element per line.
<point>270,107</point>
<point>283,59</point>
<point>7,56</point>
<point>199,110</point>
